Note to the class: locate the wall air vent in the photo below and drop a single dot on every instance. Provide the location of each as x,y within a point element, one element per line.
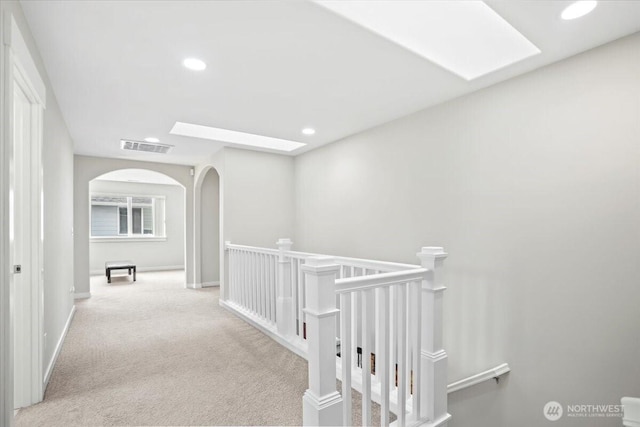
<point>147,147</point>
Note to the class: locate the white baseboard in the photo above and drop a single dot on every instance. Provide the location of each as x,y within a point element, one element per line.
<point>210,284</point>
<point>52,363</point>
<point>141,269</point>
<point>82,295</point>
<point>202,285</point>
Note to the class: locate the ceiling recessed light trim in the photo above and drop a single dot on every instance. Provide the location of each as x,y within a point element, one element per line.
<point>234,137</point>
<point>578,9</point>
<point>194,64</point>
<point>467,38</point>
<point>308,131</point>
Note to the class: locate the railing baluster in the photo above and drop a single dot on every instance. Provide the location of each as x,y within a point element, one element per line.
<point>263,288</point>
<point>258,285</point>
<point>241,280</point>
<point>252,288</point>
<point>346,356</point>
<point>393,337</point>
<point>402,347</point>
<point>416,323</point>
<point>355,312</point>
<point>294,289</point>
<point>301,302</point>
<point>231,273</point>
<point>382,357</point>
<point>367,323</point>
<point>269,287</point>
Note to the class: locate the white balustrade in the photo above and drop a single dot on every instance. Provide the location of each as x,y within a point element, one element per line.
<point>252,283</point>
<point>383,319</point>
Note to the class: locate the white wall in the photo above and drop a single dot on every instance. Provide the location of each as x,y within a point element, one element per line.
<point>88,168</point>
<point>533,187</point>
<point>156,255</point>
<point>258,204</point>
<point>58,218</point>
<point>210,228</point>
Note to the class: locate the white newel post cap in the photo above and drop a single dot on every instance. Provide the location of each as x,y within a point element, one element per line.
<point>431,253</point>
<point>227,243</point>
<point>321,272</point>
<point>284,243</point>
<point>320,264</point>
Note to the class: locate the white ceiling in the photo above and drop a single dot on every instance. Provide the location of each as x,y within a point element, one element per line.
<point>274,67</point>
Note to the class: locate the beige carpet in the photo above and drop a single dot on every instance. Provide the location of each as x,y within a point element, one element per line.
<point>154,353</point>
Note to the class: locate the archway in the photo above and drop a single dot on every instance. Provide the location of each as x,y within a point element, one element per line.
<point>87,169</point>
<point>137,215</point>
<point>208,251</point>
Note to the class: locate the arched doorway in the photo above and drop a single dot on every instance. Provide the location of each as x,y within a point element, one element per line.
<point>137,215</point>
<point>208,230</point>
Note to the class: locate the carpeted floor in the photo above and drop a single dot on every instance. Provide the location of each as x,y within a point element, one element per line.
<point>154,353</point>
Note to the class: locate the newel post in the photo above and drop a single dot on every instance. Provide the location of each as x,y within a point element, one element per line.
<point>433,358</point>
<point>321,404</point>
<point>284,301</point>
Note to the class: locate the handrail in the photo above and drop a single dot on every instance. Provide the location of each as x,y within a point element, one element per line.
<point>352,284</point>
<point>253,248</point>
<point>358,262</point>
<point>494,373</point>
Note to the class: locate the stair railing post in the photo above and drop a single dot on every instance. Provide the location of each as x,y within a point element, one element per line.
<point>322,403</point>
<point>284,301</point>
<point>433,358</point>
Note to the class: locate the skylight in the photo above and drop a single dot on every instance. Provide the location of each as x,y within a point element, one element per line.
<point>465,37</point>
<point>234,137</point>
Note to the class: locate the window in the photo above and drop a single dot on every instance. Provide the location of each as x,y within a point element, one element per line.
<point>127,216</point>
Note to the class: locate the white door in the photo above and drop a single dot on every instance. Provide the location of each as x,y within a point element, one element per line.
<point>21,246</point>
<point>26,237</point>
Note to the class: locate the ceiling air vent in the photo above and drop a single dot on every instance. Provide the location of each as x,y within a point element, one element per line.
<point>147,147</point>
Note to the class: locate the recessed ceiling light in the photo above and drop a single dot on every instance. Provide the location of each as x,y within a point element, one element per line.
<point>151,139</point>
<point>468,38</point>
<point>308,131</point>
<point>578,9</point>
<point>234,137</point>
<point>194,64</point>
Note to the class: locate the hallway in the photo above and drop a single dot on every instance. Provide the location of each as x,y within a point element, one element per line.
<point>154,353</point>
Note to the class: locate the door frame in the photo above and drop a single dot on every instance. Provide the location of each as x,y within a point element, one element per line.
<point>17,66</point>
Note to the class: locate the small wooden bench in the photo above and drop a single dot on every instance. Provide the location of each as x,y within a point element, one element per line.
<point>119,265</point>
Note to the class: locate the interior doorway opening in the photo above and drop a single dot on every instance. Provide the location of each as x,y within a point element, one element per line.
<point>137,216</point>
<point>209,190</point>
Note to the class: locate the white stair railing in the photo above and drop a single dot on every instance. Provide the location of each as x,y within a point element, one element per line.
<point>384,319</point>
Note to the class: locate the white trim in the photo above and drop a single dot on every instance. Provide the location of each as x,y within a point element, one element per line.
<point>493,373</point>
<point>81,295</point>
<point>142,269</point>
<point>21,52</point>
<point>6,344</point>
<point>203,285</point>
<point>56,353</point>
<point>126,239</point>
<point>211,284</point>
